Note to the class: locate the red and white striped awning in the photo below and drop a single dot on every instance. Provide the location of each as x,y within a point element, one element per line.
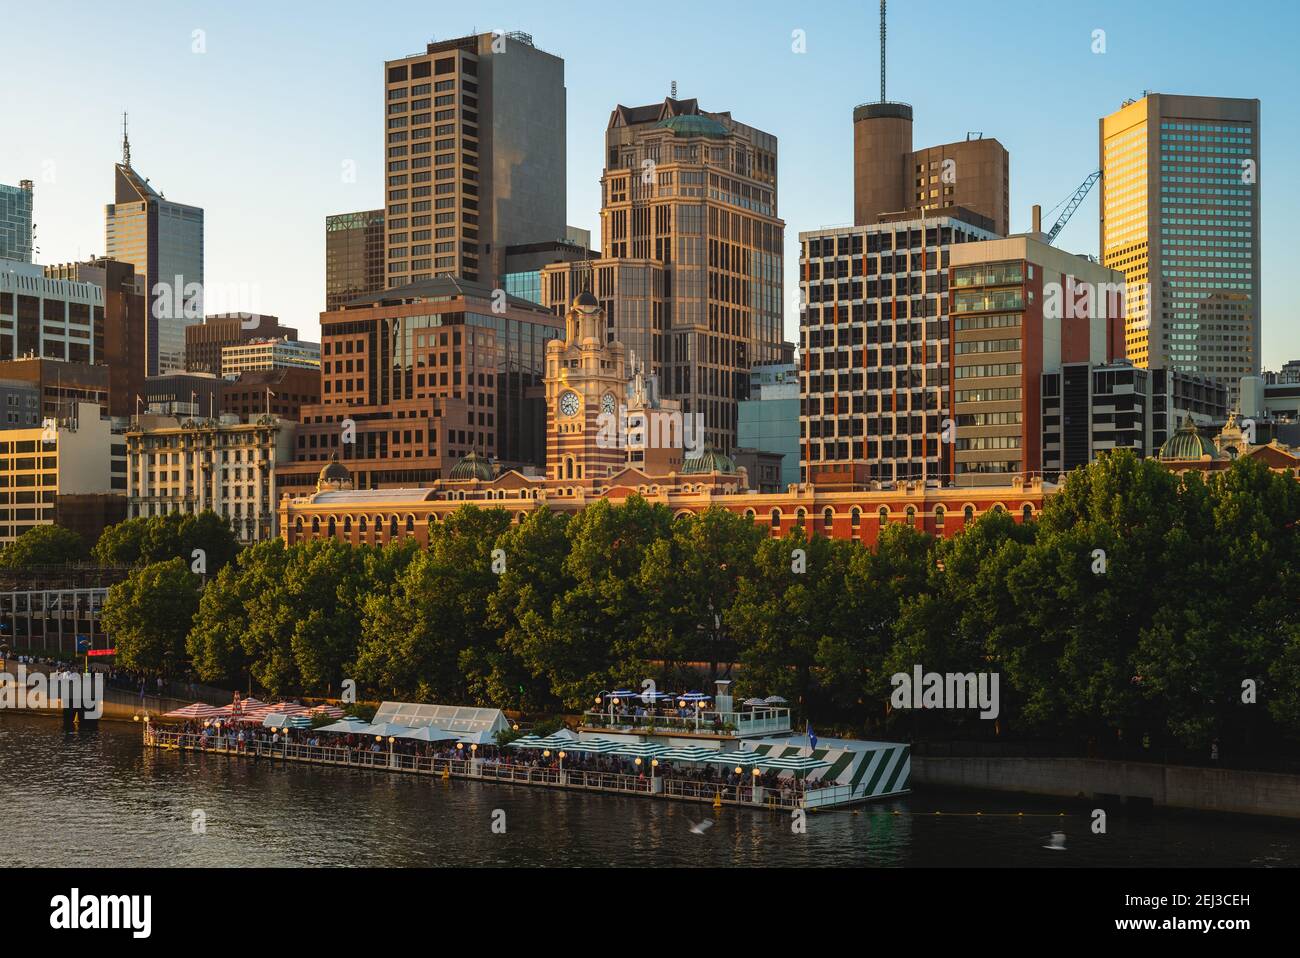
<point>333,711</point>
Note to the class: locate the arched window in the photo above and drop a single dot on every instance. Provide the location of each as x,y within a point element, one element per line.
<point>883,515</point>
<point>392,527</point>
<point>315,525</point>
<point>968,513</point>
<point>410,524</point>
<point>911,516</point>
<point>297,524</point>
<point>997,507</point>
<point>333,529</point>
<point>939,513</point>
<point>362,525</point>
<point>799,516</point>
<point>828,519</point>
<point>1027,512</point>
<point>749,513</point>
<point>522,516</point>
<point>776,519</point>
<point>855,517</point>
<point>347,525</point>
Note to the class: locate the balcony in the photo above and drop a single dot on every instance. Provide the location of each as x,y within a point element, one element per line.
<point>760,721</point>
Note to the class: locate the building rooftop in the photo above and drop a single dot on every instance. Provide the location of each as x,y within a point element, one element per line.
<point>437,288</point>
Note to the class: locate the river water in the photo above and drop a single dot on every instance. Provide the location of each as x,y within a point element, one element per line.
<point>102,799</point>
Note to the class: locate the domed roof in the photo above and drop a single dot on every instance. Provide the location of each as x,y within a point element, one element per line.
<point>586,299</point>
<point>1187,443</point>
<point>471,466</point>
<point>334,471</point>
<point>693,124</point>
<point>710,460</point>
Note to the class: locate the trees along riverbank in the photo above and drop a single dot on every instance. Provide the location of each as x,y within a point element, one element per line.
<point>1200,592</point>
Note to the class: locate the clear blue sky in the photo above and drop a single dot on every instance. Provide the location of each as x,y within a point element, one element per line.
<point>256,129</point>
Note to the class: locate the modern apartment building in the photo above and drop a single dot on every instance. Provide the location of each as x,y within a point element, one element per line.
<point>163,240</point>
<point>219,464</point>
<point>1180,219</point>
<point>187,395</point>
<point>354,256</point>
<point>1091,408</point>
<point>269,354</point>
<point>16,222</point>
<point>474,147</point>
<point>413,379</point>
<point>1020,308</point>
<point>890,177</point>
<point>47,318</point>
<point>205,341</point>
<point>691,273</point>
<point>20,404</point>
<point>62,456</point>
<point>875,347</point>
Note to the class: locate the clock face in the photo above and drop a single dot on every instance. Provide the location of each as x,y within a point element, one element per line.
<point>607,404</point>
<point>570,403</point>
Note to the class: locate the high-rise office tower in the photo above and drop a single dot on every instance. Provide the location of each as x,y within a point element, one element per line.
<point>1180,220</point>
<point>890,177</point>
<point>163,240</point>
<point>205,341</point>
<point>16,221</point>
<point>691,274</point>
<point>354,256</point>
<point>875,347</point>
<point>474,147</point>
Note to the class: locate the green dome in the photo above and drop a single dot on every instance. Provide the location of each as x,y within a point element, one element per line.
<point>472,466</point>
<point>693,124</point>
<point>710,460</point>
<point>1187,443</point>
<point>334,471</point>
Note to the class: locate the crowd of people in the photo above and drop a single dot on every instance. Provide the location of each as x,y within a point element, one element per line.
<point>241,738</point>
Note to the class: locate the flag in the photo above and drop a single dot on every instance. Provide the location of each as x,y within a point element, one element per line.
<point>812,738</point>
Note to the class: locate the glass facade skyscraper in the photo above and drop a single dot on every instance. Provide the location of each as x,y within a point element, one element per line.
<point>16,222</point>
<point>1180,219</point>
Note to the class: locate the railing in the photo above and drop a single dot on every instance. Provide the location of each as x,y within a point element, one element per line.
<point>759,721</point>
<point>782,796</point>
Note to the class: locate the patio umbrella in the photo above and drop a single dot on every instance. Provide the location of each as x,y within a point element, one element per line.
<point>332,711</point>
<point>199,710</point>
<point>290,708</point>
<point>527,741</point>
<point>299,721</point>
<point>427,733</point>
<point>774,700</point>
<point>690,753</point>
<point>642,750</point>
<point>384,730</point>
<point>754,702</point>
<point>734,758</point>
<point>347,725</point>
<point>275,720</point>
<point>597,745</point>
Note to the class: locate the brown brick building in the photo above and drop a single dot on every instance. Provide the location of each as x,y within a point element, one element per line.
<point>204,342</point>
<point>414,378</point>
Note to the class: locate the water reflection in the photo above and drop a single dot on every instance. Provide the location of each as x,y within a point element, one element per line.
<point>102,799</point>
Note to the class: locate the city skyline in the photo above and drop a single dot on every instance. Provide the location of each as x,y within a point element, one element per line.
<point>1041,94</point>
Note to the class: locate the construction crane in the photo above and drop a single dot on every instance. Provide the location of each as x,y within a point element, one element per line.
<point>1072,204</point>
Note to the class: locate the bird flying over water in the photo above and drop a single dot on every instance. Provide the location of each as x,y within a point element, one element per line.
<point>699,828</point>
<point>1058,842</point>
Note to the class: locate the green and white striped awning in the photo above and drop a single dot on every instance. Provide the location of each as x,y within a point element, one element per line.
<point>642,750</point>
<point>527,741</point>
<point>595,745</point>
<point>734,758</point>
<point>689,753</point>
<point>795,763</point>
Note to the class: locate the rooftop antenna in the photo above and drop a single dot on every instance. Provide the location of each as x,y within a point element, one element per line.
<point>674,90</point>
<point>882,51</point>
<point>126,144</point>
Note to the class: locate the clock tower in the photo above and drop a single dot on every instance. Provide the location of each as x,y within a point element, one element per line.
<point>586,385</point>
